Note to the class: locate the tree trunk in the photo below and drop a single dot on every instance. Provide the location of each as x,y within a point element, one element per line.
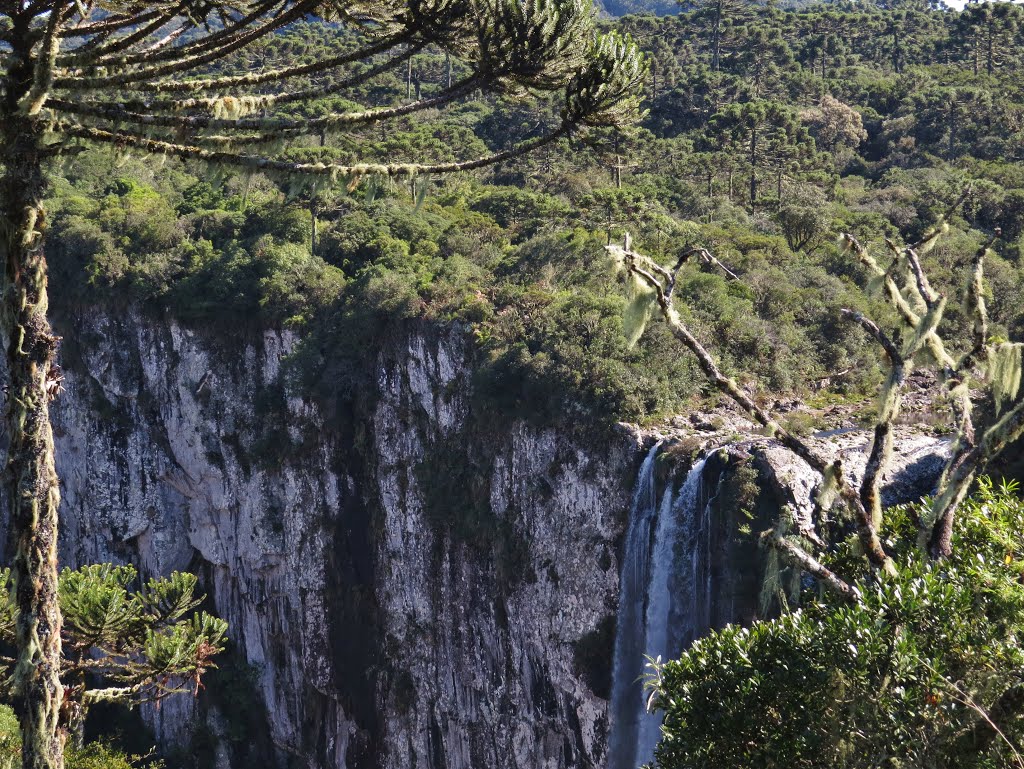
<point>990,53</point>
<point>753,169</point>
<point>31,480</point>
<point>716,37</point>
<point>952,126</point>
<point>313,232</point>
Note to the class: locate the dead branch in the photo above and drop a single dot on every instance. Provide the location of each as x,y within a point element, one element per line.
<point>831,470</point>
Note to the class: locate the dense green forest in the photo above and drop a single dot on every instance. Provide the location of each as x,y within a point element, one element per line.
<point>767,130</point>
<point>766,133</point>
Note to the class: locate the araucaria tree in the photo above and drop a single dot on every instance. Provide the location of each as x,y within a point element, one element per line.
<point>123,642</point>
<point>144,77</point>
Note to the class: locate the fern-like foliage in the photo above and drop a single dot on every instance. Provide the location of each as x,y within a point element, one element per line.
<point>124,642</point>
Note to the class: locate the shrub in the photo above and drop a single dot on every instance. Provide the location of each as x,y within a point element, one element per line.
<point>918,671</point>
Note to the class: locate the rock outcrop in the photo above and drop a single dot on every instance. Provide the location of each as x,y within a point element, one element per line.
<point>408,586</point>
<point>412,579</point>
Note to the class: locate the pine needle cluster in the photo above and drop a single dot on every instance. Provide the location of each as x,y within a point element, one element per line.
<point>123,641</point>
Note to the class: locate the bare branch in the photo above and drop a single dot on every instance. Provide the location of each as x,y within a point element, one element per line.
<point>942,221</point>
<point>205,43</point>
<point>896,298</point>
<point>705,256</point>
<point>876,333</point>
<point>800,558</point>
<point>188,62</point>
<point>93,51</point>
<point>930,296</point>
<point>986,729</point>
<point>832,470</point>
<point>110,24</point>
<point>174,34</point>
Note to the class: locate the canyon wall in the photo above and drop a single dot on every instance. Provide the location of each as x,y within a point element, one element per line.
<point>412,578</point>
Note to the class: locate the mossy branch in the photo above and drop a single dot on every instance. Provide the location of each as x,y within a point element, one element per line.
<point>791,551</point>
<point>890,401</point>
<point>641,266</point>
<point>231,82</point>
<point>337,85</point>
<point>286,168</point>
<point>42,79</point>
<point>268,126</point>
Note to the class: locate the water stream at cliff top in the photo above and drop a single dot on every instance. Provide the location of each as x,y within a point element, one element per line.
<point>664,601</point>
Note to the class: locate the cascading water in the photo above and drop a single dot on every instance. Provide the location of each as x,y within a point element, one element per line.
<point>627,663</point>
<point>664,601</point>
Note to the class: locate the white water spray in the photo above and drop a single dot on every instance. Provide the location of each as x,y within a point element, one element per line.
<point>627,664</point>
<point>654,619</point>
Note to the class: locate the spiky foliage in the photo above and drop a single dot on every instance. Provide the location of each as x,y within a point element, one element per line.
<point>102,77</point>
<point>124,642</point>
<point>143,76</point>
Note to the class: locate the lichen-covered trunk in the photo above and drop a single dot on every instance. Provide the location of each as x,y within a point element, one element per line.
<point>30,478</point>
<point>753,168</point>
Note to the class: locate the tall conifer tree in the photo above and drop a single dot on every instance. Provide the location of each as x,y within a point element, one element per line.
<point>140,76</point>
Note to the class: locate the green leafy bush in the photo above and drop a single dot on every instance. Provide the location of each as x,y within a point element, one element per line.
<point>95,755</point>
<point>919,672</point>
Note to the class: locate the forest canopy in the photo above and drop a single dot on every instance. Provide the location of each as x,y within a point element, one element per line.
<point>812,121</point>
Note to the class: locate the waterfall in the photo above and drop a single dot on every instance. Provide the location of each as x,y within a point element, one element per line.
<point>662,637</point>
<point>627,664</point>
<point>664,601</point>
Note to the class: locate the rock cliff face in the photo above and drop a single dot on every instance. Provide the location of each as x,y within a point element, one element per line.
<point>409,587</point>
<point>411,578</point>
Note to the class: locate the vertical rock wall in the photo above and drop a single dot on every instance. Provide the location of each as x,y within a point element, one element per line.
<point>411,578</point>
<point>409,588</point>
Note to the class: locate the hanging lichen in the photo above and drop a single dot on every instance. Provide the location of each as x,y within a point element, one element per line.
<point>926,326</point>
<point>237,107</point>
<point>771,583</point>
<point>1004,371</point>
<point>828,489</point>
<point>933,238</point>
<point>638,310</point>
